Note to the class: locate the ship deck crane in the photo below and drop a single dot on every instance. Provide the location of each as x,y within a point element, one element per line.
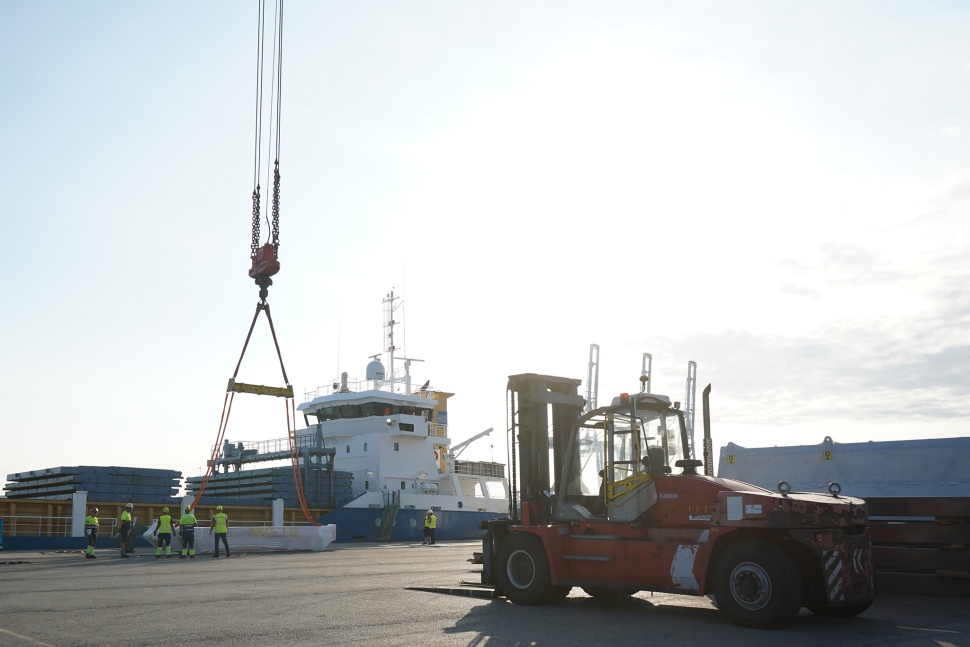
<point>460,447</point>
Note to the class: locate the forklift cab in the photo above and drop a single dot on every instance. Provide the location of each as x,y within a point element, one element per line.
<point>614,455</point>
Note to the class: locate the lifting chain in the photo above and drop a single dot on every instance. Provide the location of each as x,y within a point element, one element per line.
<point>276,206</point>
<point>255,243</point>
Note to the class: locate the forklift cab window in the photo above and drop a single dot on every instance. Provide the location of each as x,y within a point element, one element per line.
<point>660,436</point>
<point>587,462</point>
<point>613,459</point>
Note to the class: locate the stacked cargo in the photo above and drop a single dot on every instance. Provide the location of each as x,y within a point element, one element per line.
<point>129,484</point>
<point>261,486</point>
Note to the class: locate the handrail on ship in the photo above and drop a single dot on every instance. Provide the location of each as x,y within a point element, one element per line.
<point>43,526</point>
<point>243,448</point>
<point>356,385</point>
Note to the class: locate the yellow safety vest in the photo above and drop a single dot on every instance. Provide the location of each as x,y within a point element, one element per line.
<point>90,522</point>
<point>165,523</point>
<point>220,521</point>
<point>431,522</point>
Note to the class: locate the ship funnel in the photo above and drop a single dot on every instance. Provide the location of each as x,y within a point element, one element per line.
<point>375,370</point>
<point>343,383</point>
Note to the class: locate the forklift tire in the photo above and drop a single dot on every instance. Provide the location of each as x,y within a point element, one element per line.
<point>523,571</point>
<point>757,585</point>
<point>849,611</point>
<point>557,594</point>
<point>608,595</point>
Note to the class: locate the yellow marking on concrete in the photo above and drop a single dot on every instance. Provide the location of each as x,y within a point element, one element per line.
<point>27,638</point>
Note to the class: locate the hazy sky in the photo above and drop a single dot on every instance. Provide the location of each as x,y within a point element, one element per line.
<point>778,191</point>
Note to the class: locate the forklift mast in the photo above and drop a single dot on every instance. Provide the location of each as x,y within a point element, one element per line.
<point>544,410</point>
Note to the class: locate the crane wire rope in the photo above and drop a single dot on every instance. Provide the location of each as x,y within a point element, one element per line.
<point>265,263</point>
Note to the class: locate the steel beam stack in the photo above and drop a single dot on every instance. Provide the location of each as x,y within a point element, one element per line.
<point>261,486</point>
<point>129,484</point>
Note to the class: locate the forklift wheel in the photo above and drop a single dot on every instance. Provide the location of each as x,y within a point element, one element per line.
<point>757,585</point>
<point>523,571</point>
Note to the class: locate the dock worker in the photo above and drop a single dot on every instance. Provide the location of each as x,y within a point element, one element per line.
<point>187,533</point>
<point>220,524</point>
<point>91,532</point>
<point>124,530</point>
<point>163,530</point>
<point>430,523</point>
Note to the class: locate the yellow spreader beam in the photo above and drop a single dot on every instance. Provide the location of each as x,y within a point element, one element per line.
<point>259,389</point>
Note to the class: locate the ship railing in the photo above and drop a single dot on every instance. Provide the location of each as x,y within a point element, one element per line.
<point>353,385</point>
<point>37,526</point>
<point>480,468</point>
<point>437,430</point>
<point>243,448</point>
<point>356,385</point>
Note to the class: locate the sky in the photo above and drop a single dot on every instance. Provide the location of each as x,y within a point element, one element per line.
<point>776,190</point>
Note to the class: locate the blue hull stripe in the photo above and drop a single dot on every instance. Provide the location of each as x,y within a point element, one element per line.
<point>364,524</point>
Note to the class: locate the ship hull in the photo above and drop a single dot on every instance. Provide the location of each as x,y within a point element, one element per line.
<point>365,524</point>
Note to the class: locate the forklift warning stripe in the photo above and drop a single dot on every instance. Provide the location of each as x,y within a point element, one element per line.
<point>456,590</point>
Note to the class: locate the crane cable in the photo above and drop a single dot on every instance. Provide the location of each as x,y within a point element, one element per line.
<point>264,259</point>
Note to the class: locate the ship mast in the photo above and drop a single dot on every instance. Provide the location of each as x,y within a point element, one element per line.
<point>391,377</point>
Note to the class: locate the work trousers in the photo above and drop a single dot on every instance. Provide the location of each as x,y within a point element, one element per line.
<point>225,542</point>
<point>188,543</point>
<point>164,541</point>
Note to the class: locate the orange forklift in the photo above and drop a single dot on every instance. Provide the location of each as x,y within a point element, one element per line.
<point>611,501</point>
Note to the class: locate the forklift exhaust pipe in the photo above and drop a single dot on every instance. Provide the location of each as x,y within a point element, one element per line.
<point>708,444</point>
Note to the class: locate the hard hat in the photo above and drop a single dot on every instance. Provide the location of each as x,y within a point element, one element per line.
<point>164,509</point>
<point>129,506</point>
<point>430,511</point>
<point>218,508</point>
<point>94,509</point>
<point>188,508</point>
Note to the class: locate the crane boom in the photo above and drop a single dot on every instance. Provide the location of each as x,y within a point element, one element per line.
<point>457,449</point>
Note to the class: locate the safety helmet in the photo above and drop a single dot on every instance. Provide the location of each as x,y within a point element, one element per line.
<point>430,511</point>
<point>164,509</point>
<point>129,506</point>
<point>188,508</point>
<point>94,509</point>
<point>218,508</point>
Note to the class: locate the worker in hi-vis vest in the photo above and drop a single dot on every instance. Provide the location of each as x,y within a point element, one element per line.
<point>91,532</point>
<point>163,530</point>
<point>187,532</point>
<point>220,525</point>
<point>124,530</point>
<point>430,523</point>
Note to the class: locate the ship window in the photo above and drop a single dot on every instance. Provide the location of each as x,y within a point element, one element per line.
<point>349,411</point>
<point>397,447</point>
<point>348,449</point>
<point>371,409</point>
<point>402,485</point>
<point>366,485</point>
<point>406,426</point>
<point>326,413</point>
<point>310,419</point>
<point>365,447</point>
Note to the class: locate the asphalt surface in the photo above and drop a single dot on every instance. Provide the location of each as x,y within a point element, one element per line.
<point>357,595</point>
